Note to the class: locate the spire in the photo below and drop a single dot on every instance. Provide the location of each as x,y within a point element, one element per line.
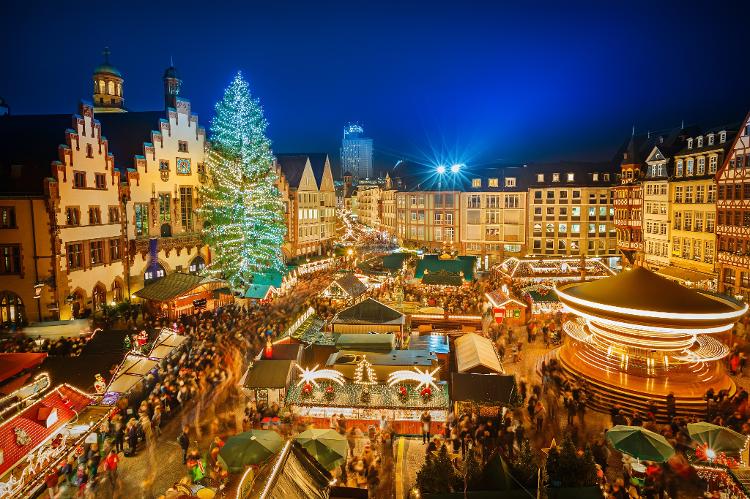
<point>171,62</point>
<point>106,52</point>
<point>633,134</point>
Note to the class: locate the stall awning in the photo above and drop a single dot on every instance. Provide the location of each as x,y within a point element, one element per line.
<point>486,389</point>
<point>132,369</point>
<point>350,285</point>
<point>259,291</point>
<point>38,423</point>
<point>383,342</point>
<point>475,353</point>
<point>14,363</point>
<point>268,374</point>
<point>174,285</point>
<point>295,475</point>
<point>167,341</point>
<point>369,311</point>
<point>684,275</point>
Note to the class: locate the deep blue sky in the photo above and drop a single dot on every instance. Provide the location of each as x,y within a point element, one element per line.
<point>430,81</point>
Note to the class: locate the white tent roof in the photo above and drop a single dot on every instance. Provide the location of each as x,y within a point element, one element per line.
<point>167,341</point>
<point>475,353</point>
<point>130,372</point>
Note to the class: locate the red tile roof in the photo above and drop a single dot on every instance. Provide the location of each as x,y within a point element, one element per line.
<point>66,400</point>
<point>13,363</point>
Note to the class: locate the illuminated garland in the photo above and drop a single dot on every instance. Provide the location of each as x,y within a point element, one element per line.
<point>311,376</point>
<point>242,207</point>
<point>424,378</point>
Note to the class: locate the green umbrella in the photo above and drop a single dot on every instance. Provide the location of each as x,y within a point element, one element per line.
<point>250,447</point>
<point>640,443</point>
<point>327,446</point>
<point>716,437</point>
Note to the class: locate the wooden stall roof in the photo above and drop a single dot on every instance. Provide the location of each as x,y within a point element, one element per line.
<point>369,311</point>
<point>173,285</point>
<point>268,374</point>
<point>475,353</point>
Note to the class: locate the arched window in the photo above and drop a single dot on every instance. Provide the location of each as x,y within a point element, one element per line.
<point>11,308</point>
<point>117,291</point>
<point>119,89</point>
<point>98,297</point>
<point>197,265</point>
<point>101,86</point>
<point>166,230</point>
<point>111,87</point>
<point>153,274</point>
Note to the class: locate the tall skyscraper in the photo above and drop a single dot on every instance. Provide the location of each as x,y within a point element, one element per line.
<point>356,152</point>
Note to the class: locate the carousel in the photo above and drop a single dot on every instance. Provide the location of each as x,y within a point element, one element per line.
<point>639,339</point>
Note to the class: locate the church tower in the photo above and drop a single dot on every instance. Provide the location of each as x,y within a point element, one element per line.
<point>108,80</point>
<point>172,85</point>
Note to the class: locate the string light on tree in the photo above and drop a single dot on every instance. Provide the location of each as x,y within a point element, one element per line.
<point>242,207</point>
<point>364,374</point>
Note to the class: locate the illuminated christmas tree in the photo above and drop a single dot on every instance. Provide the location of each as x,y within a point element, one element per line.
<point>242,208</point>
<point>364,374</point>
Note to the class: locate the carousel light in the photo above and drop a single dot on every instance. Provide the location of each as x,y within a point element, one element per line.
<point>424,378</point>
<point>710,454</point>
<point>313,375</point>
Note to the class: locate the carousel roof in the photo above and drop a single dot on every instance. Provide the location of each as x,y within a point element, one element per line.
<point>640,293</point>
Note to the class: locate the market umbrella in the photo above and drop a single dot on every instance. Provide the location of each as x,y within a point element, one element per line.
<point>329,447</point>
<point>716,437</point>
<point>640,443</point>
<point>250,447</point>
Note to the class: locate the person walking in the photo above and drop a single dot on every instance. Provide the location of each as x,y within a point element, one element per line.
<point>119,437</point>
<point>539,415</point>
<point>184,441</point>
<point>110,463</point>
<point>426,421</point>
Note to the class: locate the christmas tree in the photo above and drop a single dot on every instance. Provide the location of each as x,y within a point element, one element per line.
<point>242,208</point>
<point>364,374</point>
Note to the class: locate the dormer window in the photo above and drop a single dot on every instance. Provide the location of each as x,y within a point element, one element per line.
<point>690,143</point>
<point>476,182</point>
<point>555,177</point>
<point>510,181</point>
<point>595,177</point>
<point>493,182</point>
<point>722,137</point>
<point>700,142</point>
<point>710,138</point>
<point>540,177</point>
<point>606,177</point>
<point>570,177</point>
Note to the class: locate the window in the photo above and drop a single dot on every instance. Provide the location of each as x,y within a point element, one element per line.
<point>449,219</point>
<point>79,180</point>
<point>592,229</point>
<point>89,151</point>
<point>474,201</point>
<point>688,193</point>
<point>10,259</point>
<point>685,248</point>
<point>473,217</point>
<point>7,217</point>
<point>538,229</point>
<point>678,220</point>
<point>595,177</point>
<point>701,166</point>
<point>688,225</point>
<point>186,208</point>
<point>72,216</point>
<point>563,212</point>
<point>700,142</point>
<point>678,172</point>
<point>476,182</point>
<point>510,181</point>
<point>700,193</point>
<point>689,168</point>
<point>708,252</point>
<point>570,177</point>
<point>712,161</point>
<point>540,177</point>
<point>95,215</point>
<point>183,166</point>
<point>550,212</point>
<point>163,165</point>
<point>602,229</point>
<point>690,143</point>
<point>550,228</point>
<point>549,244</point>
<point>576,194</point>
<point>511,201</point>
<point>678,194</point>
<point>592,212</point>
<point>562,229</point>
<point>96,252</point>
<point>100,180</point>
<point>75,256</point>
<point>555,177</point>
<point>114,250</point>
<point>114,214</point>
<point>493,182</point>
<point>493,217</point>
<point>575,211</point>
<point>550,195</point>
<point>710,221</point>
<point>698,221</point>
<point>438,217</point>
<point>197,265</point>
<point>537,244</point>
<point>722,137</point>
<point>182,146</point>
<point>710,138</point>
<point>141,219</point>
<point>165,213</point>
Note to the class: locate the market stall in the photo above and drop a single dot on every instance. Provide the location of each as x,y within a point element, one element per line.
<point>476,354</point>
<point>369,316</point>
<point>485,393</point>
<point>346,288</point>
<point>179,294</point>
<point>166,344</point>
<point>505,308</point>
<point>267,380</point>
<point>128,376</point>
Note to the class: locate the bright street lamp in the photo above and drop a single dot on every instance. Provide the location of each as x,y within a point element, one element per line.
<point>440,169</point>
<point>456,167</point>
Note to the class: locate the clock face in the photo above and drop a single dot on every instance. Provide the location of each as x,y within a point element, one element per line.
<point>183,166</point>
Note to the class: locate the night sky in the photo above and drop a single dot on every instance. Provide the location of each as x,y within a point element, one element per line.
<point>461,81</point>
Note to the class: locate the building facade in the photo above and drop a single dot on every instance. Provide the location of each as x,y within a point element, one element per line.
<point>733,217</point>
<point>570,210</point>
<point>428,219</point>
<point>493,215</point>
<point>628,202</point>
<point>693,205</point>
<point>356,152</point>
<point>307,188</point>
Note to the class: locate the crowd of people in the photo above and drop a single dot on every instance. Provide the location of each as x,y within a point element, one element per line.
<point>70,346</point>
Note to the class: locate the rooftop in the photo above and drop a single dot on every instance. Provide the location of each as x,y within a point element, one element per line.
<point>369,311</point>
